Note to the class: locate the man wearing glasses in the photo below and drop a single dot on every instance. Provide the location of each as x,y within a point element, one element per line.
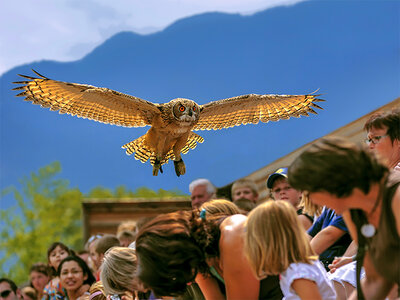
<point>9,290</point>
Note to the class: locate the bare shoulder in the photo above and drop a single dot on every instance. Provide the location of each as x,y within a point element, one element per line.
<point>232,229</point>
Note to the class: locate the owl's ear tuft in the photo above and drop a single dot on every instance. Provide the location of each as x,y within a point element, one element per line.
<point>160,107</point>
<point>201,108</point>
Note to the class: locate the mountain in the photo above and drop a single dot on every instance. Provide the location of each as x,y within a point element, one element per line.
<point>349,50</point>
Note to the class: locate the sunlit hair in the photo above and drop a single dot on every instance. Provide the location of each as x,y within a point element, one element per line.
<point>202,181</point>
<point>172,249</point>
<point>30,292</point>
<point>389,119</point>
<point>118,271</point>
<point>308,207</point>
<point>337,166</point>
<point>126,226</point>
<point>241,183</point>
<point>275,238</point>
<point>220,206</point>
<point>97,291</point>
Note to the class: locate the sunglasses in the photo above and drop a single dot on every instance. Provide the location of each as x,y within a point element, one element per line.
<point>4,294</point>
<point>94,237</point>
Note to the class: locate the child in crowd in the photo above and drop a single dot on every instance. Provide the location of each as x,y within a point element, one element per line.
<point>55,254</point>
<point>75,278</point>
<point>276,243</point>
<point>102,245</point>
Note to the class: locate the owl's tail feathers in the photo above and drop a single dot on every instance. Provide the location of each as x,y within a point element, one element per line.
<point>143,152</point>
<point>139,147</point>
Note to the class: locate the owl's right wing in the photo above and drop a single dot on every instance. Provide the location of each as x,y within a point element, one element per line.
<point>86,101</point>
<point>252,108</point>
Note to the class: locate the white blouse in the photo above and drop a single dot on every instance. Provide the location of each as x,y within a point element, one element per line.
<point>315,272</point>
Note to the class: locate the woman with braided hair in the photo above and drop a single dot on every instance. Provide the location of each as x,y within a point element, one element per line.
<point>178,248</point>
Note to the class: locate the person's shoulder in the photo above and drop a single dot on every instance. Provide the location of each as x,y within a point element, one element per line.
<point>232,228</point>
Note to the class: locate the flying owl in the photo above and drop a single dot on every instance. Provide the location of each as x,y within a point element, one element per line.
<point>171,123</point>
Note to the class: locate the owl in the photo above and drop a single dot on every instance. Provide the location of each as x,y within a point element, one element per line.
<point>171,124</point>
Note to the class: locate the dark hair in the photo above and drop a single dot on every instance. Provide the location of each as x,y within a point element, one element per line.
<point>106,242</point>
<point>51,248</point>
<point>336,166</point>
<point>12,284</point>
<point>86,271</point>
<point>172,249</point>
<point>390,119</point>
<point>41,268</point>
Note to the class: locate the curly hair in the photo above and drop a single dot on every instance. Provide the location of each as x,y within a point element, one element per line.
<point>336,166</point>
<point>173,247</point>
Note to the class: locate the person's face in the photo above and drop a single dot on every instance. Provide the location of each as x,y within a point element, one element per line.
<point>56,256</point>
<point>6,293</point>
<point>244,192</point>
<point>199,196</point>
<point>386,150</point>
<point>93,255</point>
<point>39,280</point>
<point>71,276</point>
<point>281,190</point>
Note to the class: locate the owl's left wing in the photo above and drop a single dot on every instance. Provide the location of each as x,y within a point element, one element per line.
<point>253,108</point>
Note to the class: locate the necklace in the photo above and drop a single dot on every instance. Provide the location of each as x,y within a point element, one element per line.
<point>369,230</point>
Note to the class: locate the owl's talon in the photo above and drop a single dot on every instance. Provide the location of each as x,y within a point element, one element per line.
<point>157,166</point>
<point>180,168</point>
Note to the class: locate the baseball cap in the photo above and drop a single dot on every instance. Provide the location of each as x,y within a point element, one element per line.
<point>278,173</point>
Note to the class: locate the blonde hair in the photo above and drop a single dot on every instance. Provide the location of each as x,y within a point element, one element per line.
<point>126,226</point>
<point>97,291</point>
<point>245,183</point>
<point>308,207</point>
<point>220,206</point>
<point>118,270</point>
<point>275,238</point>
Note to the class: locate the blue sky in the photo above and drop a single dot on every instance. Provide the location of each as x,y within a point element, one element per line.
<point>66,30</point>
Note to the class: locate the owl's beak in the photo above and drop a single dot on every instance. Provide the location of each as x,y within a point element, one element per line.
<point>190,112</point>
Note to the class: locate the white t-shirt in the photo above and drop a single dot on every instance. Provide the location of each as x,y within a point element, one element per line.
<point>315,272</point>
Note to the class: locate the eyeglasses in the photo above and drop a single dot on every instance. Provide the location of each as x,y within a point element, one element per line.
<point>94,237</point>
<point>375,139</point>
<point>4,294</point>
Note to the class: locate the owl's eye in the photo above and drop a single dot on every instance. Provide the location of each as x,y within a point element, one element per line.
<point>181,108</point>
<point>194,108</point>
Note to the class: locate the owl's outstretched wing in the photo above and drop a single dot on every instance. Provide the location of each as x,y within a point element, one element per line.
<point>86,101</point>
<point>253,108</point>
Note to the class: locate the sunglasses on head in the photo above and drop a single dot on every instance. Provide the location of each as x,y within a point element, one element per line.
<point>4,294</point>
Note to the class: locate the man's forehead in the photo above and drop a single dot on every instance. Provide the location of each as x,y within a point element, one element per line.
<point>5,286</point>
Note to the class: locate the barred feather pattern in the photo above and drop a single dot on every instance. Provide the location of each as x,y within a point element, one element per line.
<point>143,152</point>
<point>252,108</point>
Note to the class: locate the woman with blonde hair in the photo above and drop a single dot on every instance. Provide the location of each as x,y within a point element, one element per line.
<point>220,206</point>
<point>275,243</point>
<point>118,273</point>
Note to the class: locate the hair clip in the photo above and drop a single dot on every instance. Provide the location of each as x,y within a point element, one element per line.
<point>203,214</point>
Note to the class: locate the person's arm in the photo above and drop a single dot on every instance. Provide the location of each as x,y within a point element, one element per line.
<point>345,259</point>
<point>373,285</point>
<point>209,287</point>
<point>326,238</point>
<point>305,221</point>
<point>306,289</point>
<point>240,282</point>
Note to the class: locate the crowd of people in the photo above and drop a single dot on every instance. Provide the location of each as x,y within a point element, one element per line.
<point>330,230</point>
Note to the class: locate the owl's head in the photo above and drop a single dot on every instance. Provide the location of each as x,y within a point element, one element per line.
<point>185,110</point>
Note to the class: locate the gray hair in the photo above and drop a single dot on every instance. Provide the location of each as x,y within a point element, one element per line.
<point>202,181</point>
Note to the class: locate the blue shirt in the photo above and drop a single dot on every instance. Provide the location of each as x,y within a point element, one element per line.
<point>327,218</point>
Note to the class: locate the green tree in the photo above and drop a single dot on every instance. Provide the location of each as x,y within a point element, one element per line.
<point>47,210</point>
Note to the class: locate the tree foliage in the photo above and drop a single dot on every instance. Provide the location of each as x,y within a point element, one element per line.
<point>47,210</point>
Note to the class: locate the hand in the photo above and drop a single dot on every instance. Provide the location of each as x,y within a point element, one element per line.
<point>339,262</point>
